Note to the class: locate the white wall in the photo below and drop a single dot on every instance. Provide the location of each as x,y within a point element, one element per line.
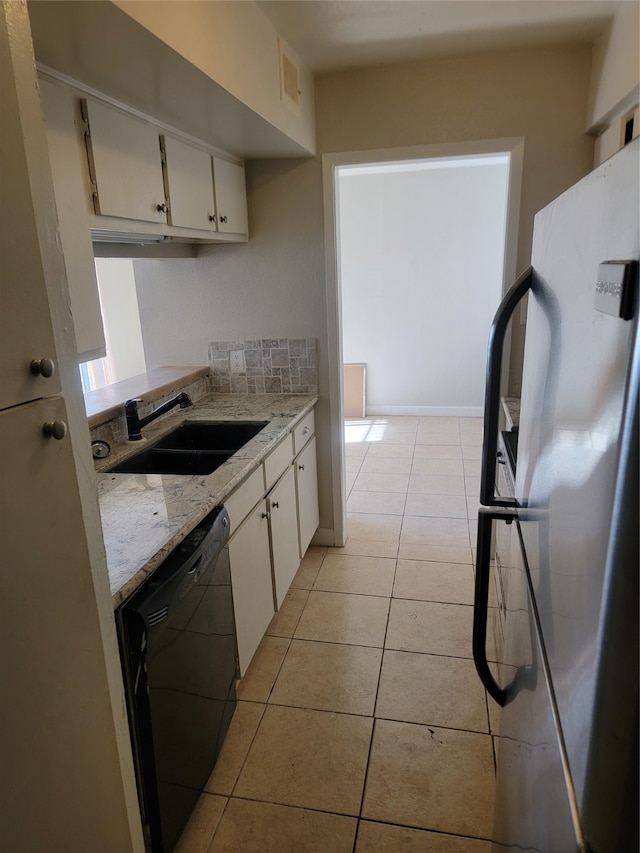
<point>275,284</point>
<point>421,271</point>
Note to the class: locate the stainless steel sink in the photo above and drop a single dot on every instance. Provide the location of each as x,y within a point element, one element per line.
<point>193,448</point>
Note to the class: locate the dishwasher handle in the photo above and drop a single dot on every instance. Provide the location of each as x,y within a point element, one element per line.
<point>164,590</point>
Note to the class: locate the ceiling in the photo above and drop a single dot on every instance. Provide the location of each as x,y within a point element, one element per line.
<point>332,35</point>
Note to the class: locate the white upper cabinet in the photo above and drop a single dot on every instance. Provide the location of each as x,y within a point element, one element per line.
<point>231,197</point>
<point>189,185</point>
<point>69,184</point>
<point>125,164</point>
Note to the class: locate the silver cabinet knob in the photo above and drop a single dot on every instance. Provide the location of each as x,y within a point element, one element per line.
<point>54,429</point>
<point>45,367</point>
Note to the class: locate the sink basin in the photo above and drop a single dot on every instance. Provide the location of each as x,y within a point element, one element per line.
<point>193,448</point>
<point>208,436</point>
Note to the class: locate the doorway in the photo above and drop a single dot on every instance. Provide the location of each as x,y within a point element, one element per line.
<point>337,168</point>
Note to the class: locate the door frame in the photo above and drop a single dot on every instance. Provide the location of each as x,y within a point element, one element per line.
<point>514,147</point>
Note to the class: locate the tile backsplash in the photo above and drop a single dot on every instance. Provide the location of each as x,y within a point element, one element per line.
<point>265,366</point>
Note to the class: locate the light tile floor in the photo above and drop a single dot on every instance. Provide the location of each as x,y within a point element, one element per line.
<point>361,724</point>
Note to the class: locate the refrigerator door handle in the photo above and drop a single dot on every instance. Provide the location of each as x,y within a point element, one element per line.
<point>492,389</point>
<point>481,599</point>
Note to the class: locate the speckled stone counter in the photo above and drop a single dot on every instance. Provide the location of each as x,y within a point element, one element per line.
<point>511,408</point>
<point>144,516</point>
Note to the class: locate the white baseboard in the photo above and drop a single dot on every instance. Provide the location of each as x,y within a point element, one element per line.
<point>426,411</point>
<point>324,537</point>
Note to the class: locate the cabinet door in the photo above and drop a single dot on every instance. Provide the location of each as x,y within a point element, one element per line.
<point>125,164</point>
<point>285,547</point>
<point>231,197</point>
<point>307,490</point>
<point>69,184</point>
<point>189,185</point>
<point>26,332</point>
<point>251,583</point>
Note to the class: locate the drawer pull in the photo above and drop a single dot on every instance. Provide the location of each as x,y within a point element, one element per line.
<point>300,467</point>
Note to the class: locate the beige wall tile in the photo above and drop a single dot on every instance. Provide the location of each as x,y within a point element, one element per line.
<point>313,759</point>
<point>329,677</point>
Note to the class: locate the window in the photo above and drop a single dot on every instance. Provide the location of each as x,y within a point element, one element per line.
<point>122,330</point>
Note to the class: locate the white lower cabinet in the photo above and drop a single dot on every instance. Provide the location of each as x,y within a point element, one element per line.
<point>285,548</point>
<point>307,494</point>
<point>251,582</point>
<point>274,514</point>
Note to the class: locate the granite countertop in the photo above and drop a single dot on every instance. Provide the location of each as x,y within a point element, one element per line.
<point>144,516</point>
<point>511,408</point>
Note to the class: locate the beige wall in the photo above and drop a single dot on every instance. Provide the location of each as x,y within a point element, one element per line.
<point>616,67</point>
<point>237,46</point>
<point>275,285</point>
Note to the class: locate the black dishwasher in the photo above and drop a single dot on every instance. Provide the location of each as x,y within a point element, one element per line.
<point>178,649</point>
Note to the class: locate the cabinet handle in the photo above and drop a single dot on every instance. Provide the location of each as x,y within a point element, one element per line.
<point>300,467</point>
<point>223,219</point>
<point>305,430</point>
<point>161,208</point>
<point>45,367</point>
<point>275,505</point>
<point>265,515</point>
<point>212,217</point>
<point>54,429</point>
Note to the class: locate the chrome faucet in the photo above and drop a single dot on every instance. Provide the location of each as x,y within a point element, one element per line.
<point>135,423</point>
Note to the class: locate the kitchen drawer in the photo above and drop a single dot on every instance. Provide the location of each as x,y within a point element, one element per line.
<point>277,461</point>
<point>240,503</point>
<point>303,432</point>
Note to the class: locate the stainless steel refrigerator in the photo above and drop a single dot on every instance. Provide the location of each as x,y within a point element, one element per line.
<point>567,674</point>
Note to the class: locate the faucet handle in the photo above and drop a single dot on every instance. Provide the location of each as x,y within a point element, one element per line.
<point>136,400</point>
